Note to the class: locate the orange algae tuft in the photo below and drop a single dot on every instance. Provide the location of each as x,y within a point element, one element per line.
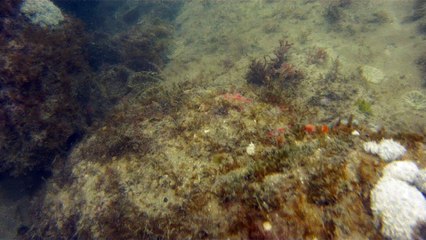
<point>309,128</point>
<point>325,129</point>
<point>237,97</point>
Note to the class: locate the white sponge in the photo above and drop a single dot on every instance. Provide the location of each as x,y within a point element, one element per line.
<point>406,171</point>
<point>371,147</point>
<point>399,206</point>
<point>420,181</point>
<point>387,149</point>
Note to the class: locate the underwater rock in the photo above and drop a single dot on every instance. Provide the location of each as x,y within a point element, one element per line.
<point>419,15</point>
<point>42,12</point>
<point>41,72</point>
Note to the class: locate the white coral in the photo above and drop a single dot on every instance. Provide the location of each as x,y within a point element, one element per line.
<point>42,12</point>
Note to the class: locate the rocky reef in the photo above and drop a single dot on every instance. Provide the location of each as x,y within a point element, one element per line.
<point>179,161</point>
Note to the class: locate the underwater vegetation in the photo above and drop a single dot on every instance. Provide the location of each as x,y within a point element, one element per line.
<point>317,56</point>
<point>8,8</point>
<point>142,48</point>
<point>421,63</point>
<point>275,69</point>
<point>419,15</point>
<point>338,14</point>
<point>364,106</point>
<point>275,76</point>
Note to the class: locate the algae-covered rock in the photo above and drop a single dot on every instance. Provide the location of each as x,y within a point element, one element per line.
<point>372,74</point>
<point>42,12</point>
<point>174,165</point>
<point>415,99</point>
<point>40,74</point>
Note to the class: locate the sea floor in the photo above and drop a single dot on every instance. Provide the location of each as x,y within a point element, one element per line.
<point>375,47</point>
